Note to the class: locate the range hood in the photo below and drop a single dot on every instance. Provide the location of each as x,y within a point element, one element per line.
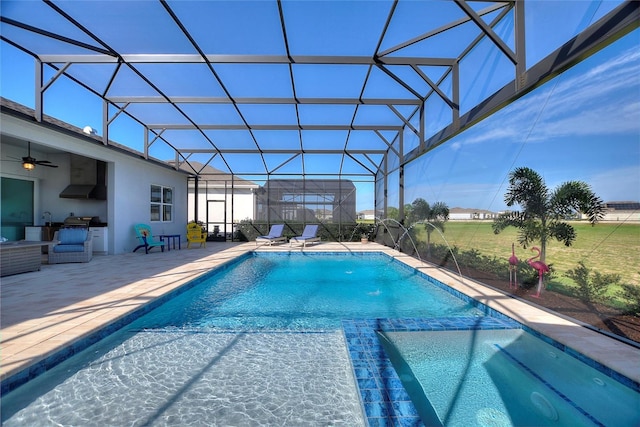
<point>87,179</point>
<point>79,191</point>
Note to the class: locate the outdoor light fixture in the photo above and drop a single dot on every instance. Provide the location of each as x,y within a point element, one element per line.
<point>29,163</point>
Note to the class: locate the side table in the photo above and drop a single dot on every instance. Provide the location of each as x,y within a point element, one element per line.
<point>170,240</point>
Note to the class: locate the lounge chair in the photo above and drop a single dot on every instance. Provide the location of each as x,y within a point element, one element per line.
<point>275,235</point>
<point>143,233</point>
<point>196,235</point>
<point>309,234</point>
<point>71,245</point>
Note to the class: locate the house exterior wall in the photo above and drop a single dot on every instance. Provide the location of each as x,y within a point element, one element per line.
<point>367,215</point>
<point>618,216</point>
<point>244,208</point>
<point>240,207</point>
<point>132,184</point>
<point>460,216</point>
<point>469,215</point>
<point>129,181</point>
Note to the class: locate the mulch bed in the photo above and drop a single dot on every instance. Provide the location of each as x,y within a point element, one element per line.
<point>599,316</point>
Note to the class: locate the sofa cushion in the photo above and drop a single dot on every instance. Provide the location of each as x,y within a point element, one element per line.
<point>68,248</point>
<point>72,236</point>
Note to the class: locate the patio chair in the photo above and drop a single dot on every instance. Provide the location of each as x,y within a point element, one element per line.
<point>143,233</point>
<point>275,235</point>
<point>196,235</point>
<point>309,235</point>
<point>71,245</point>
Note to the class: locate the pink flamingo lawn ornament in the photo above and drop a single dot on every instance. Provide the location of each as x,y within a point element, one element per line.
<point>540,266</point>
<point>513,268</point>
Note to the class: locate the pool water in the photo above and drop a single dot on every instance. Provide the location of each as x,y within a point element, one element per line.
<point>258,343</point>
<point>307,292</point>
<point>504,378</point>
<point>182,378</point>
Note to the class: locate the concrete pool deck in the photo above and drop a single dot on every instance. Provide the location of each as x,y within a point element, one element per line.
<point>45,311</point>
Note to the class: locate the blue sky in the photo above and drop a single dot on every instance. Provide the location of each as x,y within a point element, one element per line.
<point>583,125</point>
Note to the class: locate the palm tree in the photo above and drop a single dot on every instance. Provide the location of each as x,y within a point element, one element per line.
<point>543,211</point>
<point>434,216</point>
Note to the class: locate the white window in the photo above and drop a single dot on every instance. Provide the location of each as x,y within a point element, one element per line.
<point>161,203</point>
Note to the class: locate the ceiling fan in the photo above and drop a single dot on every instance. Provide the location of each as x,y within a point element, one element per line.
<point>29,163</point>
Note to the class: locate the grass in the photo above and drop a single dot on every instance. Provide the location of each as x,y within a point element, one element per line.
<point>605,247</point>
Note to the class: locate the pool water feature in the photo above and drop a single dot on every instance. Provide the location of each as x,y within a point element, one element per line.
<point>504,378</point>
<point>256,343</point>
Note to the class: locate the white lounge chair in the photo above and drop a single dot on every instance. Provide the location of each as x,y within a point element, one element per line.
<point>275,235</point>
<point>309,234</point>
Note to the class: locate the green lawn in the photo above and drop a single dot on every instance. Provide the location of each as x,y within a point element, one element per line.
<point>605,247</point>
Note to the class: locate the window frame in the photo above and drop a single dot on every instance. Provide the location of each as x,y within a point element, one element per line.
<point>161,199</point>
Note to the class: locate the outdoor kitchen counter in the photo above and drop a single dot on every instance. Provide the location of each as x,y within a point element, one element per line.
<point>20,257</point>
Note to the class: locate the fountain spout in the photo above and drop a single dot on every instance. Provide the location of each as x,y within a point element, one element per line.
<point>427,224</point>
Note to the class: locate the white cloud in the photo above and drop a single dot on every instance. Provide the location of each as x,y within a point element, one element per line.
<point>455,145</point>
<point>601,101</point>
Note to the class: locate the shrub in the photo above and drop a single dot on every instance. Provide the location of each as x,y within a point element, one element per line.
<point>246,230</point>
<point>631,295</point>
<point>530,280</point>
<point>592,287</point>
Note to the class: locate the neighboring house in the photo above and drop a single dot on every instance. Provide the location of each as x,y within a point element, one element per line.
<point>621,211</point>
<point>324,214</point>
<point>137,190</point>
<point>465,214</point>
<point>223,199</point>
<point>624,211</point>
<point>310,200</point>
<point>367,214</point>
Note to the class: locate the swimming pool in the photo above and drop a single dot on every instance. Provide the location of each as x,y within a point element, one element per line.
<point>240,351</point>
<point>258,342</point>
